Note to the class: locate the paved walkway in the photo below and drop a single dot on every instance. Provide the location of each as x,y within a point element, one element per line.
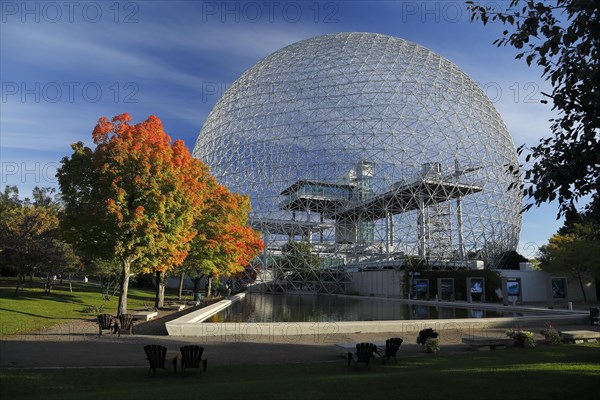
<point>106,351</point>
<point>77,344</point>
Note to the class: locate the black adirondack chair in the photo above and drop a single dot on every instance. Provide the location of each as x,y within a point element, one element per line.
<point>364,353</point>
<point>105,322</point>
<point>125,323</point>
<point>156,355</point>
<point>392,345</point>
<point>191,357</point>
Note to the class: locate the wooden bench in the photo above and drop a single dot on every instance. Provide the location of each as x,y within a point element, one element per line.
<point>580,336</point>
<point>484,343</point>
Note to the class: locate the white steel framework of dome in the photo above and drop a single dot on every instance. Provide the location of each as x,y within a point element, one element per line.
<point>373,149</point>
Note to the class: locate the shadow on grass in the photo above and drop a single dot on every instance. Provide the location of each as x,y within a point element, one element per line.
<point>565,372</point>
<point>30,314</point>
<point>139,297</point>
<point>37,295</point>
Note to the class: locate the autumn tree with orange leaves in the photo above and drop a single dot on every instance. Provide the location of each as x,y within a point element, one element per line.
<point>225,245</point>
<point>134,197</point>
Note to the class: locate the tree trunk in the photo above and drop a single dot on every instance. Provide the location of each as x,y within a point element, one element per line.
<point>161,282</point>
<point>48,284</point>
<point>180,292</point>
<point>582,287</point>
<point>70,285</point>
<point>209,287</point>
<point>31,275</point>
<point>197,281</point>
<point>20,283</point>
<point>124,286</point>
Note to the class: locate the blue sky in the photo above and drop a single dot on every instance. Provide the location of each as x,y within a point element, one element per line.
<point>65,64</point>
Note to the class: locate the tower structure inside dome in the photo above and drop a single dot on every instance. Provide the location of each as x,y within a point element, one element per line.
<point>354,207</point>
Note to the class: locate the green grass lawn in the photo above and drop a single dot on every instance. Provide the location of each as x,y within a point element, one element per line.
<point>545,372</point>
<point>34,309</point>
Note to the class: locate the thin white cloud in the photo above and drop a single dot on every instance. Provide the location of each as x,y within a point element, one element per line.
<point>63,48</point>
<point>96,58</point>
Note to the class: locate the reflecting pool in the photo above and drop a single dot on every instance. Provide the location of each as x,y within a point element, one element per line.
<point>257,307</point>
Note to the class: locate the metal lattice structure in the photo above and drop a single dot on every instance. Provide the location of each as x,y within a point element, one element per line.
<point>373,149</point>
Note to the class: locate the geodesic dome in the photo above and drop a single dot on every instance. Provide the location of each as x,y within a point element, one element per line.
<point>372,148</point>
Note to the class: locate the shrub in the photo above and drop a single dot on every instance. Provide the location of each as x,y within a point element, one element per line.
<point>94,309</point>
<point>431,345</point>
<point>426,334</point>
<point>521,338</point>
<point>551,335</point>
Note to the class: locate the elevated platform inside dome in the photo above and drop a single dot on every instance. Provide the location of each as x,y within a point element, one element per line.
<point>287,227</point>
<point>335,200</point>
<point>316,196</point>
<point>405,197</point>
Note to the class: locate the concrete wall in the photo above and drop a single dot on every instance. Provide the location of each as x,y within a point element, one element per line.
<point>381,283</point>
<point>388,283</point>
<point>535,285</point>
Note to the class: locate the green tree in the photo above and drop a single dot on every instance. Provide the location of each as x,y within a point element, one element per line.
<point>510,260</point>
<point>562,37</point>
<point>416,264</point>
<point>589,215</point>
<point>576,253</point>
<point>299,264</point>
<point>108,273</point>
<point>30,238</point>
<point>134,197</point>
<point>27,235</point>
<point>43,197</point>
<point>60,259</point>
<point>9,198</point>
